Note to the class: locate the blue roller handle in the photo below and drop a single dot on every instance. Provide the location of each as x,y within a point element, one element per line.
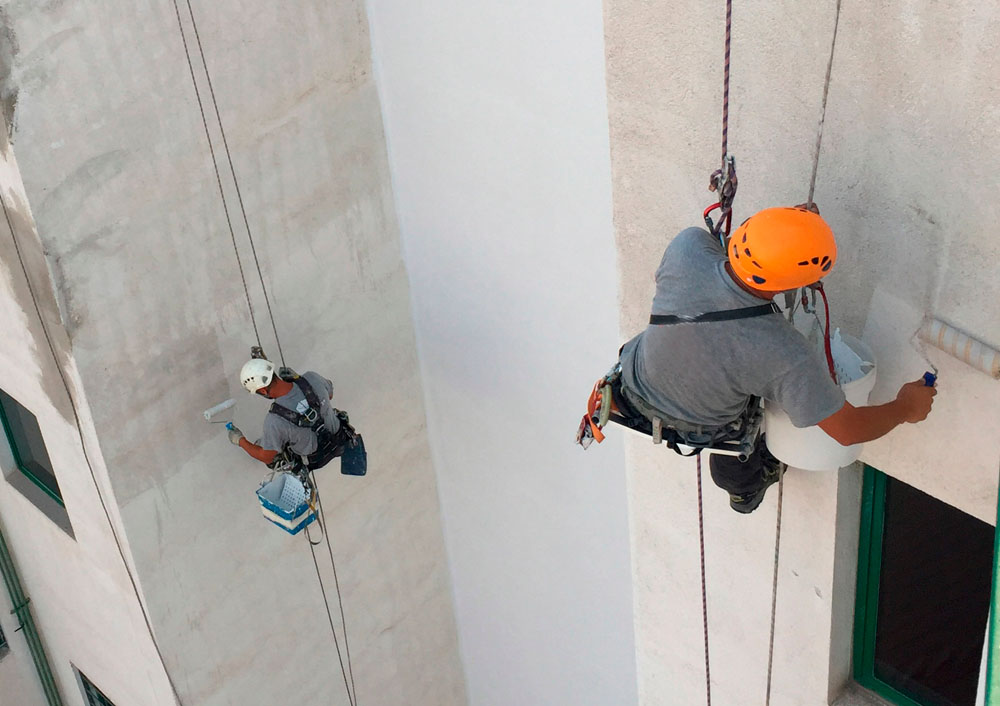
<point>229,425</point>
<point>930,379</point>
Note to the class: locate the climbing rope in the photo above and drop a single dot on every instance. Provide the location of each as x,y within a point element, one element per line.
<point>232,170</point>
<point>774,584</point>
<point>348,683</point>
<point>723,180</point>
<point>329,616</point>
<point>704,586</point>
<point>822,118</point>
<point>725,83</point>
<point>86,457</point>
<point>336,581</point>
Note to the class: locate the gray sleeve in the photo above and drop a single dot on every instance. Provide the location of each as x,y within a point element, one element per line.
<point>273,438</point>
<point>806,391</point>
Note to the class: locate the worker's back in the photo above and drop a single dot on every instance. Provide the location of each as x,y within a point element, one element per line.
<point>703,373</point>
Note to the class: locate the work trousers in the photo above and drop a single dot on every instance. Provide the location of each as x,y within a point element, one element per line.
<point>744,477</point>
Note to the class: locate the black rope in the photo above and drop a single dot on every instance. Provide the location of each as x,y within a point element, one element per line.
<point>329,615</point>
<point>86,456</point>
<point>336,581</point>
<point>236,181</point>
<point>774,585</point>
<point>704,586</point>
<point>218,175</point>
<point>822,118</point>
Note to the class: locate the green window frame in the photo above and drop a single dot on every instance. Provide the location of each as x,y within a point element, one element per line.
<point>870,547</point>
<point>95,697</point>
<point>15,417</point>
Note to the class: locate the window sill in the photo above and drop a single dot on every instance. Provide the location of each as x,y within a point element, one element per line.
<point>857,695</point>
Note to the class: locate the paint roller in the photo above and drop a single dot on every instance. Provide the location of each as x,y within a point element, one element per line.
<point>219,409</point>
<point>962,346</point>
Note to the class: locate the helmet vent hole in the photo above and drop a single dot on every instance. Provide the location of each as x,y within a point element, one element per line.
<point>803,263</point>
<point>759,280</point>
<point>815,261</point>
<point>744,237</point>
<point>757,264</point>
<point>827,266</point>
<point>826,258</point>
<point>747,251</point>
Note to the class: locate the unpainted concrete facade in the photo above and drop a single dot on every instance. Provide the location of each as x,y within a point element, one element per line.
<point>146,302</point>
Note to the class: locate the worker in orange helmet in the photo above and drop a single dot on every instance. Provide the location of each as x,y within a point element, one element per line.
<point>698,377</point>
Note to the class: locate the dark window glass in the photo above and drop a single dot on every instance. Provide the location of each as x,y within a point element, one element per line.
<point>3,640</point>
<point>27,445</point>
<point>93,694</point>
<point>933,599</point>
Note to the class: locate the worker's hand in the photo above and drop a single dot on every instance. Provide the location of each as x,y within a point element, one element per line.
<point>809,207</point>
<point>234,436</point>
<point>916,399</point>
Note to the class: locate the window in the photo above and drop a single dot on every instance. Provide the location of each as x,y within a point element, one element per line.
<point>3,642</point>
<point>924,576</point>
<point>27,445</point>
<point>95,697</point>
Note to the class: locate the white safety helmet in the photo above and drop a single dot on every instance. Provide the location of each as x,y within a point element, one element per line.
<point>256,374</point>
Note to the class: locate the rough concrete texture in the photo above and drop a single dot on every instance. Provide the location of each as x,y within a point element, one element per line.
<point>80,595</point>
<point>497,129</point>
<point>120,179</point>
<point>907,146</point>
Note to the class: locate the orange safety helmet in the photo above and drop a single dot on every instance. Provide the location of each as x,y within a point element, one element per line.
<point>782,248</point>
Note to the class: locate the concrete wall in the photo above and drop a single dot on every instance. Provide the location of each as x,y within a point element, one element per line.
<point>80,595</point>
<point>118,173</point>
<point>497,131</point>
<point>906,137</point>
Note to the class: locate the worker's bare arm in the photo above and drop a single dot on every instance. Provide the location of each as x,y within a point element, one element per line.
<point>261,454</point>
<point>855,425</point>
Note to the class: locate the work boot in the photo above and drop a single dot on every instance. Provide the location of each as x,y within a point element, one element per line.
<point>771,470</point>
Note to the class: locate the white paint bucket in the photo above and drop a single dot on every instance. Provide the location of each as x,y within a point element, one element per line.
<point>811,448</point>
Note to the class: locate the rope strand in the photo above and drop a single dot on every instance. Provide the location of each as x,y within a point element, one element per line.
<point>336,581</point>
<point>725,83</point>
<point>218,175</point>
<point>236,181</point>
<point>774,585</point>
<point>329,615</point>
<point>704,588</point>
<point>822,118</point>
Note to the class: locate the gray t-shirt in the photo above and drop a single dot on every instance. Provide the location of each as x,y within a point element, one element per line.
<point>278,431</point>
<point>703,373</point>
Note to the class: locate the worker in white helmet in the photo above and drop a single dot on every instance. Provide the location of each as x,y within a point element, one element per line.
<point>302,425</point>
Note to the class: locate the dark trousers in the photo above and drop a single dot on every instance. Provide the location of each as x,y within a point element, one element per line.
<point>741,478</point>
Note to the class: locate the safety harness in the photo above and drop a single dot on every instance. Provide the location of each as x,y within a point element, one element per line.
<point>329,444</point>
<point>609,403</point>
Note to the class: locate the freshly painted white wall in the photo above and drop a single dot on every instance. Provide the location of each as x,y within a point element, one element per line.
<point>497,130</point>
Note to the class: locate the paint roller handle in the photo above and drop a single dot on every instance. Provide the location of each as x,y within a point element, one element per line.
<point>930,379</point>
<point>229,426</point>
